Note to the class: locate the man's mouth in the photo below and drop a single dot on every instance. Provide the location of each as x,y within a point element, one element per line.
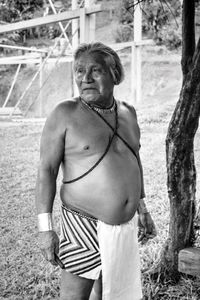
<point>89,88</point>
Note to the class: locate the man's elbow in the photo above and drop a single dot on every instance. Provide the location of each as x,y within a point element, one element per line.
<point>47,171</point>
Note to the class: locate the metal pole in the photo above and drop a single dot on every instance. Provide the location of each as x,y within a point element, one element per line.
<point>23,48</point>
<point>36,74</point>
<point>12,86</point>
<point>60,24</point>
<point>40,87</point>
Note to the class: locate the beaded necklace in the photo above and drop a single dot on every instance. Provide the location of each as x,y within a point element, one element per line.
<point>101,110</point>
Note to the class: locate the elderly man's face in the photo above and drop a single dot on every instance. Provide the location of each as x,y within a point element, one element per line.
<point>93,79</point>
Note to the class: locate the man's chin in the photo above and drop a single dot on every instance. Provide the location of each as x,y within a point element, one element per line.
<point>90,98</point>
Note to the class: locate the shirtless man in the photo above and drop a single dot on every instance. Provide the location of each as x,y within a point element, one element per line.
<point>96,140</point>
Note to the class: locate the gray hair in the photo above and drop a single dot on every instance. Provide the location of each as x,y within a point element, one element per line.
<point>110,57</point>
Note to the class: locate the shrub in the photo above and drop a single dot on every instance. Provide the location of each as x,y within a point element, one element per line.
<point>170,36</point>
<point>123,33</point>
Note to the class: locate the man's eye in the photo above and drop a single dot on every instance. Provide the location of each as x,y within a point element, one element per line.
<point>96,71</point>
<point>79,71</point>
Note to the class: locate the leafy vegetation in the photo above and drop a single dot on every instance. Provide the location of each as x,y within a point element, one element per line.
<point>161,21</point>
<point>13,11</point>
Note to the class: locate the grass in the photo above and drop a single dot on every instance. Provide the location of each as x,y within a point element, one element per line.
<point>24,273</point>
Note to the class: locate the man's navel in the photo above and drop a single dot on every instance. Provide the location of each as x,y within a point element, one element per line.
<point>86,147</point>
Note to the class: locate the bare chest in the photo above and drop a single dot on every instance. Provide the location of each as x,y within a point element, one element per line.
<point>90,138</point>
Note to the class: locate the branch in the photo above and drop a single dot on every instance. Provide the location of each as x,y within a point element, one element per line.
<point>138,2</point>
<point>134,4</point>
<point>166,2</point>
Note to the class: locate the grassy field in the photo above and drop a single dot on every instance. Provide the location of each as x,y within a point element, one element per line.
<point>23,272</point>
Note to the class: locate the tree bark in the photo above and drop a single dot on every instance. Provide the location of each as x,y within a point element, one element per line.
<point>181,181</point>
<point>188,35</point>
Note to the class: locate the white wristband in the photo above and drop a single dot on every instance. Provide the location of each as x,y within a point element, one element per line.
<point>45,222</point>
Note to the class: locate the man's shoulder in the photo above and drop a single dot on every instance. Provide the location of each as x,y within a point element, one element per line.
<point>127,107</point>
<point>64,109</point>
<point>62,113</point>
<point>67,106</point>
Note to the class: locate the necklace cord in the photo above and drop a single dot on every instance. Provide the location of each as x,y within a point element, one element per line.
<point>111,127</point>
<point>114,129</point>
<point>104,153</point>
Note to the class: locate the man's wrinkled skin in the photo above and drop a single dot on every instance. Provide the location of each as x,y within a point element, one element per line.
<point>74,138</point>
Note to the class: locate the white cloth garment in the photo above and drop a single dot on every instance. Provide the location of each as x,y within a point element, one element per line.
<point>120,261</point>
<point>89,247</point>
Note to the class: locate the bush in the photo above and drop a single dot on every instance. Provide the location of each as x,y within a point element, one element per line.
<point>123,33</point>
<point>170,36</point>
<point>159,22</point>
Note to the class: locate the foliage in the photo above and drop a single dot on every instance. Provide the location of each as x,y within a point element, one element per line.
<point>170,36</point>
<point>13,11</point>
<point>124,15</point>
<point>158,14</point>
<point>159,20</point>
<point>123,33</point>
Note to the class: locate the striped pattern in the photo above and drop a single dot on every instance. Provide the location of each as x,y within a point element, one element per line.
<point>79,248</point>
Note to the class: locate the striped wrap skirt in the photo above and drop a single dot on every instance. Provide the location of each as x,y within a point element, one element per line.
<point>90,248</point>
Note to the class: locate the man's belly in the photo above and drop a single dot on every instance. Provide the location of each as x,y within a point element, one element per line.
<point>111,191</point>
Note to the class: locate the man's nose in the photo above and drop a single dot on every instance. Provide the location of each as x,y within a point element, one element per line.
<point>87,76</point>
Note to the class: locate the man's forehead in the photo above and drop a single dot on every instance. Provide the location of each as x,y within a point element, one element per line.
<point>91,58</point>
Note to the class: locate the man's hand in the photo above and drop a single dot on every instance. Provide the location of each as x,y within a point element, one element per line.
<point>146,227</point>
<point>49,244</point>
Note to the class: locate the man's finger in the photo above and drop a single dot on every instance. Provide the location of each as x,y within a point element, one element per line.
<point>53,262</point>
<point>50,256</point>
<point>141,236</point>
<point>152,231</point>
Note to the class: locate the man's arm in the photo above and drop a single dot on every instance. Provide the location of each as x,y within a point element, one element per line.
<point>51,156</point>
<point>146,224</point>
<point>142,195</point>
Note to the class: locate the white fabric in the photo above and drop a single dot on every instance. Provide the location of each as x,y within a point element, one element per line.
<point>92,274</point>
<point>120,261</point>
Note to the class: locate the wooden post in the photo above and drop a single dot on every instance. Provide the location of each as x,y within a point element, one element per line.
<point>133,74</point>
<point>84,26</point>
<point>74,27</point>
<point>91,21</point>
<point>189,261</point>
<point>63,16</point>
<point>87,23</point>
<point>75,42</point>
<point>137,55</point>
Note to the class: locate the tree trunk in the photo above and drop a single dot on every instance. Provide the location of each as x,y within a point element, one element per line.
<point>188,35</point>
<point>181,172</point>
